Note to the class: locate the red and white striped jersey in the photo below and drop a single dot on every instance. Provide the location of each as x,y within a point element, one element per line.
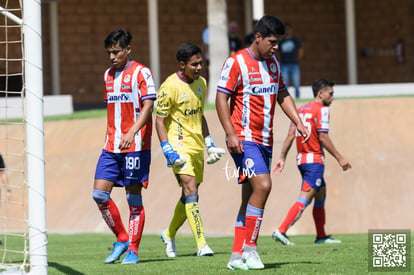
<point>253,85</point>
<point>315,117</point>
<point>125,90</point>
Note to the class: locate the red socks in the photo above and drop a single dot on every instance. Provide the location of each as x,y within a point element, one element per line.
<point>319,219</point>
<point>292,216</point>
<point>239,236</point>
<point>253,224</point>
<point>110,214</point>
<point>136,226</point>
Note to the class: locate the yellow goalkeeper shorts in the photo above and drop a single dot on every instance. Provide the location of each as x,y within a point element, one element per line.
<point>193,167</point>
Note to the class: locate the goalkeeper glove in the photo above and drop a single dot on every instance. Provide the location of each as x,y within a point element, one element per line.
<point>173,158</point>
<point>214,153</point>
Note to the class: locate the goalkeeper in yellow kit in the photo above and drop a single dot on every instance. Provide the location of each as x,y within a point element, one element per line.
<point>183,132</point>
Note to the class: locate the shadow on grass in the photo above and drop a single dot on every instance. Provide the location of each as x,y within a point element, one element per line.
<point>64,269</point>
<point>156,260</point>
<point>278,265</point>
<point>194,254</point>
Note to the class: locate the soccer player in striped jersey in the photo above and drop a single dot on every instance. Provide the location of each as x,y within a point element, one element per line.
<point>129,93</point>
<point>310,160</point>
<point>183,132</point>
<point>251,79</point>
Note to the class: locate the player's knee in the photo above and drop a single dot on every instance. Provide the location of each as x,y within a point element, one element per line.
<point>263,190</point>
<point>101,196</point>
<point>304,201</point>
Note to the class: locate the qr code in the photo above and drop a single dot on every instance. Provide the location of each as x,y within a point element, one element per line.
<point>389,251</point>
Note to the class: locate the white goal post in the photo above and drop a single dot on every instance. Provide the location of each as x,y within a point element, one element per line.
<point>32,97</point>
<point>33,71</point>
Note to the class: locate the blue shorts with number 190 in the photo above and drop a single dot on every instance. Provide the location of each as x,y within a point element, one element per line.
<point>124,169</point>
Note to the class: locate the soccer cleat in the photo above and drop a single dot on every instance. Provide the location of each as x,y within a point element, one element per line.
<point>252,260</point>
<point>237,264</point>
<point>205,251</point>
<point>131,257</point>
<point>327,239</point>
<point>281,237</point>
<point>170,250</point>
<point>117,250</point>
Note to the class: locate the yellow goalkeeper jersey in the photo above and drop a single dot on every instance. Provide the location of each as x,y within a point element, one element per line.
<point>182,105</point>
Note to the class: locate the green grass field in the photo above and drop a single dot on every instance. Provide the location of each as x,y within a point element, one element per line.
<point>84,254</point>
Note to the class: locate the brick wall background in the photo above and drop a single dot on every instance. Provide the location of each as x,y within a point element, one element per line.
<point>320,24</point>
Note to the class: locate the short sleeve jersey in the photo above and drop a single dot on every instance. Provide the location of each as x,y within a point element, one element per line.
<point>315,117</point>
<point>253,85</point>
<point>125,92</point>
<point>182,105</point>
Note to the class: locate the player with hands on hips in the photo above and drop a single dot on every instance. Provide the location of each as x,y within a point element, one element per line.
<point>183,133</point>
<point>311,162</point>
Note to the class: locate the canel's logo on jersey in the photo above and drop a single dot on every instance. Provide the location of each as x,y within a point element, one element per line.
<point>127,78</point>
<point>161,104</point>
<point>118,98</point>
<point>189,112</point>
<point>259,90</point>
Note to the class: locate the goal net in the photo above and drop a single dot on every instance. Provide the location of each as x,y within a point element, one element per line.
<point>23,241</point>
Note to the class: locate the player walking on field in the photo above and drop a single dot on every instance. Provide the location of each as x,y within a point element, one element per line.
<point>182,130</point>
<point>310,160</point>
<point>251,79</point>
<point>129,93</point>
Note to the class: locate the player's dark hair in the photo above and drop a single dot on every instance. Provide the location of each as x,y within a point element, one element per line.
<point>270,25</point>
<point>186,51</point>
<point>121,36</point>
<point>320,84</point>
